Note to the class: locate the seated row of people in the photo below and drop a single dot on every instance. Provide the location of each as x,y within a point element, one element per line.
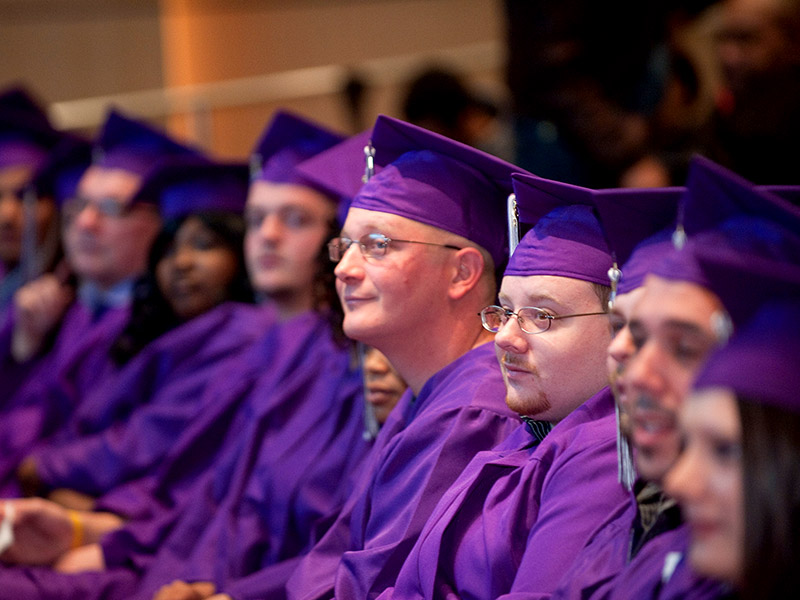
<point>231,454</point>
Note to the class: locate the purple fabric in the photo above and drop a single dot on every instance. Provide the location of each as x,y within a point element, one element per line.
<point>760,362</point>
<point>134,146</point>
<point>287,141</point>
<point>56,385</point>
<point>629,216</point>
<point>128,425</point>
<point>602,570</point>
<point>20,152</point>
<point>40,583</point>
<point>645,576</point>
<point>434,180</point>
<point>644,258</point>
<point>292,435</point>
<point>566,242</point>
<point>184,185</point>
<point>518,515</point>
<point>420,451</point>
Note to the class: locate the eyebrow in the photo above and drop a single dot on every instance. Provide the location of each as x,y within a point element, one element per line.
<point>534,301</point>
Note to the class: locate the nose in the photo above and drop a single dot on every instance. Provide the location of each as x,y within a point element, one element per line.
<point>643,373</point>
<point>510,337</point>
<point>271,228</point>
<point>88,218</point>
<point>351,265</point>
<point>621,348</point>
<point>10,207</point>
<point>183,258</point>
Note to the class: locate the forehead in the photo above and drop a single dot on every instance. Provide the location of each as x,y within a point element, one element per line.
<point>546,291</point>
<point>679,302</point>
<point>361,221</point>
<point>274,196</point>
<point>624,303</point>
<point>712,409</point>
<point>16,175</point>
<point>99,182</point>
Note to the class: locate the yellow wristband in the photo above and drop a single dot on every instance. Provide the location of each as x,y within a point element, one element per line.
<point>77,528</point>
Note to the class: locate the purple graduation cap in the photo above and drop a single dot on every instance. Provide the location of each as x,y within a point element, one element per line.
<point>760,363</point>
<point>135,146</point>
<point>434,180</point>
<point>59,175</point>
<point>566,239</point>
<point>26,136</point>
<point>287,141</point>
<point>185,185</point>
<point>721,210</point>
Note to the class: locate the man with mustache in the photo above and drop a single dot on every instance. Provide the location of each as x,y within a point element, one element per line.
<point>518,514</point>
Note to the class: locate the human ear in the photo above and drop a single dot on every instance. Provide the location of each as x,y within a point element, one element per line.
<point>469,267</point>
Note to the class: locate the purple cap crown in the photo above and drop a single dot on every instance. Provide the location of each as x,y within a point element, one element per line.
<point>135,146</point>
<point>760,363</point>
<point>566,239</point>
<point>724,211</point>
<point>184,186</point>
<point>59,175</point>
<point>26,135</point>
<point>287,141</point>
<point>434,180</point>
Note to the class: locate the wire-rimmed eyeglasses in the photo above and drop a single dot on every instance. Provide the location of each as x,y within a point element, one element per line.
<point>372,245</point>
<point>530,318</point>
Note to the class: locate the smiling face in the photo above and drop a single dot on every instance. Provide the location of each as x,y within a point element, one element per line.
<point>195,273</point>
<point>388,300</point>
<point>620,351</point>
<point>107,249</point>
<point>287,225</point>
<point>549,374</point>
<point>707,480</point>
<point>671,328</point>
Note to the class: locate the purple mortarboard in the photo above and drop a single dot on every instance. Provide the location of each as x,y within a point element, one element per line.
<point>638,224</point>
<point>743,281</point>
<point>790,193</point>
<point>26,135</point>
<point>287,141</point>
<point>434,180</point>
<point>566,239</point>
<point>131,145</point>
<point>760,363</point>
<point>721,210</point>
<point>338,171</point>
<point>186,185</point>
<point>59,175</point>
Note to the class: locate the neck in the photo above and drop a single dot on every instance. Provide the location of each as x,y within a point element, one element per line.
<point>420,358</point>
<point>290,305</point>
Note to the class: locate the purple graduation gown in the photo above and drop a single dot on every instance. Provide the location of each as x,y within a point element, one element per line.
<point>298,438</point>
<point>602,570</point>
<point>518,515</point>
<point>425,444</point>
<point>123,429</point>
<point>57,383</point>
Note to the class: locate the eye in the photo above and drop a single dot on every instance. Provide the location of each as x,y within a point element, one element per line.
<point>294,217</point>
<point>617,323</point>
<point>638,335</point>
<point>726,451</point>
<point>253,219</point>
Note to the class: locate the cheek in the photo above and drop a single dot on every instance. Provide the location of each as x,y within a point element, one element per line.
<point>163,274</point>
<point>218,269</point>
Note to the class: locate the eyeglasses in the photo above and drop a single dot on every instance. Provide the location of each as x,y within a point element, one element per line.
<point>530,319</point>
<point>372,245</point>
<point>107,207</point>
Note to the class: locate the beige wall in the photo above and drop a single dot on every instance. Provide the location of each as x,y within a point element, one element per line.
<point>72,49</point>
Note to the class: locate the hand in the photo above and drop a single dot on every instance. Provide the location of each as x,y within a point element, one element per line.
<point>84,558</point>
<point>42,532</point>
<point>39,306</point>
<point>72,499</point>
<point>181,590</point>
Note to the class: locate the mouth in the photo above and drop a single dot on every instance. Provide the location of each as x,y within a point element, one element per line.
<point>379,396</point>
<point>651,424</point>
<point>269,261</point>
<point>352,302</point>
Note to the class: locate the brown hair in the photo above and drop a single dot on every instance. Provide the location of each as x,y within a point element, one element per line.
<point>771,465</point>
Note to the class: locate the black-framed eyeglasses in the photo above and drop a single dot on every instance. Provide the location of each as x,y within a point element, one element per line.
<point>372,245</point>
<point>107,207</point>
<point>530,318</point>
